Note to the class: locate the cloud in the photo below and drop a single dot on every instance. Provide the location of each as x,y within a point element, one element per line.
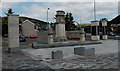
<point>0,9</point>
<point>76,0</point>
<point>16,0</point>
<point>59,0</point>
<point>6,5</point>
<point>35,11</point>
<point>80,10</point>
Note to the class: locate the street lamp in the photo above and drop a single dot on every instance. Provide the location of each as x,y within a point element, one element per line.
<point>94,11</point>
<point>47,19</point>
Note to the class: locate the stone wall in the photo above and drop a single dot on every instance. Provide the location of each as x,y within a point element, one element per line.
<point>42,37</point>
<point>70,34</point>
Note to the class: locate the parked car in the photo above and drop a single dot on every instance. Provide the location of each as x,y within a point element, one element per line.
<point>33,36</point>
<point>111,34</point>
<point>5,35</point>
<point>74,38</point>
<point>22,38</point>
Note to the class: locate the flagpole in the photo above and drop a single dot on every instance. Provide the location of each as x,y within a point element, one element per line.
<point>94,11</point>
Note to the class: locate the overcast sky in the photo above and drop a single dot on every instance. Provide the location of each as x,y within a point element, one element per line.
<point>81,10</point>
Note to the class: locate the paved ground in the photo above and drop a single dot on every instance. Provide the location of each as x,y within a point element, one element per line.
<point>19,60</point>
<point>107,46</point>
<point>107,51</point>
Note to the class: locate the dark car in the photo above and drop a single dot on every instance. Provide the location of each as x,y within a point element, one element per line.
<point>111,34</point>
<point>22,38</point>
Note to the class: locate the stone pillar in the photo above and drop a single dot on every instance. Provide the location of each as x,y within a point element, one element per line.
<point>13,31</point>
<point>0,32</point>
<point>95,30</point>
<point>57,54</point>
<point>104,29</point>
<point>60,26</point>
<point>89,52</point>
<point>84,51</point>
<point>79,51</point>
<point>50,35</point>
<point>0,43</point>
<point>82,37</point>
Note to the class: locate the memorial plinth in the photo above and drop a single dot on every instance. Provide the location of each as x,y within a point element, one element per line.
<point>13,31</point>
<point>82,38</point>
<point>57,54</point>
<point>104,30</point>
<point>95,30</point>
<point>60,26</point>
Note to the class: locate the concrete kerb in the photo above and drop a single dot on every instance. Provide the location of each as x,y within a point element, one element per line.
<point>38,45</point>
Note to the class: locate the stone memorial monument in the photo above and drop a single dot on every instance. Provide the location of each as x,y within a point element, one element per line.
<point>45,37</point>
<point>82,38</point>
<point>50,35</point>
<point>60,26</point>
<point>95,30</point>
<point>13,32</point>
<point>104,30</point>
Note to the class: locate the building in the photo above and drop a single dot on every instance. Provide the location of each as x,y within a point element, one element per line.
<point>28,28</point>
<point>115,22</point>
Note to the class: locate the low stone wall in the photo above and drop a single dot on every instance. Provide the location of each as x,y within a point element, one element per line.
<point>42,37</point>
<point>71,34</point>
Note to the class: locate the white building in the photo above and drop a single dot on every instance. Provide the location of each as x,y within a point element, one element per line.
<point>28,28</point>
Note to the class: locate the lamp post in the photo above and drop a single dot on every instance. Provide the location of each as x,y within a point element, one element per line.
<point>119,8</point>
<point>94,11</point>
<point>47,19</point>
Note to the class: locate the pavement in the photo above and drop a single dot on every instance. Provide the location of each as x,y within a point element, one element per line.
<point>106,56</point>
<point>65,44</point>
<point>19,61</point>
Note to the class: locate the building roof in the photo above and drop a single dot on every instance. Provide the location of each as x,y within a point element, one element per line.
<point>115,20</point>
<point>35,21</point>
<point>28,21</point>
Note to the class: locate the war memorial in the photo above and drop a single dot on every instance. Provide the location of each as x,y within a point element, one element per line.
<point>54,49</point>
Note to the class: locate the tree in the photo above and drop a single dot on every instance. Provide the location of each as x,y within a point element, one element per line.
<point>5,22</point>
<point>4,26</point>
<point>69,20</point>
<point>9,12</point>
<point>108,24</point>
<point>104,19</point>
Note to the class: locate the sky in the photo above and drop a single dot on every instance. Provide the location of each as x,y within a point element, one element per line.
<point>83,11</point>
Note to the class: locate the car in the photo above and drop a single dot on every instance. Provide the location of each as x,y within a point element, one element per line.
<point>111,34</point>
<point>5,35</point>
<point>33,37</point>
<point>22,38</point>
<point>75,38</point>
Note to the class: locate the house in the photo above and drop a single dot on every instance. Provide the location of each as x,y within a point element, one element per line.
<point>115,23</point>
<point>23,29</point>
<point>28,28</point>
